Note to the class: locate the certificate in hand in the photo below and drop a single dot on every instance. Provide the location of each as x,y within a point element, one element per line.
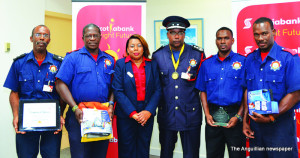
<point>39,115</point>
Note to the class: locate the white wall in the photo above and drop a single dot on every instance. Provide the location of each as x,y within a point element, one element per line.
<point>216,13</point>
<point>17,19</point>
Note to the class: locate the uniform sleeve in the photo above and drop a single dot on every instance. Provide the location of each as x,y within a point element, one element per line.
<point>12,79</point>
<point>293,74</point>
<point>67,70</point>
<point>200,82</point>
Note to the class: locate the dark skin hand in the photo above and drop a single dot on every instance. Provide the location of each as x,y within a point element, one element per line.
<point>64,92</point>
<point>285,104</point>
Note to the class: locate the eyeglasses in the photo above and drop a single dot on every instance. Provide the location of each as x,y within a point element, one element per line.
<point>92,36</point>
<point>180,33</point>
<point>39,35</point>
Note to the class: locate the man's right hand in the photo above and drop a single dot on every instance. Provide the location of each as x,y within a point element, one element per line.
<point>210,121</point>
<point>15,124</point>
<point>78,115</point>
<point>247,131</point>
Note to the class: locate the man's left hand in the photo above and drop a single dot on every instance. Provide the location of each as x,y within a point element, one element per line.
<point>144,116</point>
<point>62,123</point>
<point>232,122</point>
<point>259,118</point>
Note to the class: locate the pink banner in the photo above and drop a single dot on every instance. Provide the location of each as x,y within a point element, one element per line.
<point>117,23</point>
<point>286,19</point>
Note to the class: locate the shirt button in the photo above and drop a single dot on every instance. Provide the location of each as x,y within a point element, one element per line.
<point>261,69</point>
<point>222,68</point>
<point>25,80</point>
<point>235,77</point>
<point>176,97</point>
<point>176,86</point>
<point>193,109</point>
<point>96,63</point>
<point>176,108</point>
<point>221,78</point>
<point>97,73</point>
<point>39,70</point>
<point>38,80</point>
<point>162,73</point>
<point>260,80</point>
<point>273,80</point>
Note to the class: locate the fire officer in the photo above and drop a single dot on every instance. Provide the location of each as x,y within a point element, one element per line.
<point>179,109</point>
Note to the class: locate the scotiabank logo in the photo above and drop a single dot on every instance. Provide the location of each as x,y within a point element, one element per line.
<point>247,23</point>
<point>248,49</point>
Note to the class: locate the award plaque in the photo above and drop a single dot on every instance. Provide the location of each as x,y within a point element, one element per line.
<point>220,117</point>
<point>39,115</point>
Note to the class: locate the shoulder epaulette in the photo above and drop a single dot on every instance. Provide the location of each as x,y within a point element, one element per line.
<point>161,47</point>
<point>251,52</point>
<point>111,56</point>
<point>197,48</point>
<point>20,56</point>
<point>290,51</point>
<point>57,57</point>
<point>207,58</point>
<point>73,51</point>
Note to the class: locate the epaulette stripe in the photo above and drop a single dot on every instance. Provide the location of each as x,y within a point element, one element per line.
<point>199,49</point>
<point>57,57</point>
<point>20,56</point>
<point>290,51</point>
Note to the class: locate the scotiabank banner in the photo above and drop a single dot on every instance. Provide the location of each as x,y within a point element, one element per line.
<point>286,19</point>
<point>117,22</point>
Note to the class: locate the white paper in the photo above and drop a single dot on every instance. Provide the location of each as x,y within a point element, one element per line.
<point>39,115</point>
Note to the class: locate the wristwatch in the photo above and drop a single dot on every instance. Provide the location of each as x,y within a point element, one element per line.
<point>240,118</point>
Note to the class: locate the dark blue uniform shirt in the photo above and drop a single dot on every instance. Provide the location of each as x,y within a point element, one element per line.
<point>280,71</point>
<point>28,78</point>
<point>222,80</point>
<point>87,79</point>
<point>179,108</point>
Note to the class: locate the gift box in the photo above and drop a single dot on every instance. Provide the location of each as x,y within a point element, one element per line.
<point>260,101</point>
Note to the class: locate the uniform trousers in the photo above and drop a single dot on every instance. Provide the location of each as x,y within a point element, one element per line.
<point>97,149</point>
<point>190,141</point>
<point>28,144</point>
<point>275,140</point>
<point>217,137</point>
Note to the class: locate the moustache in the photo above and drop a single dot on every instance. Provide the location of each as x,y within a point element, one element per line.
<point>43,42</point>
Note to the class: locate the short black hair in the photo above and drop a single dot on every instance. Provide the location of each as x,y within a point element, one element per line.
<point>90,25</point>
<point>41,26</point>
<point>264,19</point>
<point>225,28</point>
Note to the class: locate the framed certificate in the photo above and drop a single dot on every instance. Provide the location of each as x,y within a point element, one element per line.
<point>39,115</point>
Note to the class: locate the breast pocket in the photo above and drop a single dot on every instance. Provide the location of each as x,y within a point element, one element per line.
<point>250,81</point>
<point>210,81</point>
<point>193,114</point>
<point>83,74</point>
<point>235,80</point>
<point>275,82</point>
<point>107,75</point>
<point>164,76</point>
<point>26,82</point>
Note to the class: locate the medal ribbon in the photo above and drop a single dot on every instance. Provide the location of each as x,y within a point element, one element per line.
<point>173,59</point>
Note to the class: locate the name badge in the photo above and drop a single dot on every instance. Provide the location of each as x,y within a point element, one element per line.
<point>129,74</point>
<point>47,88</point>
<point>185,76</point>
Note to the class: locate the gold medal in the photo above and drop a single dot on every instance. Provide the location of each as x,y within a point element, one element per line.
<point>175,75</point>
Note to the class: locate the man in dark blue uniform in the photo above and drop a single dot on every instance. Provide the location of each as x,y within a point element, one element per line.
<point>220,83</point>
<point>32,76</point>
<point>179,109</point>
<point>85,76</point>
<point>276,68</point>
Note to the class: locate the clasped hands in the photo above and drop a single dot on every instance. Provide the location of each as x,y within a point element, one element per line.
<point>142,117</point>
